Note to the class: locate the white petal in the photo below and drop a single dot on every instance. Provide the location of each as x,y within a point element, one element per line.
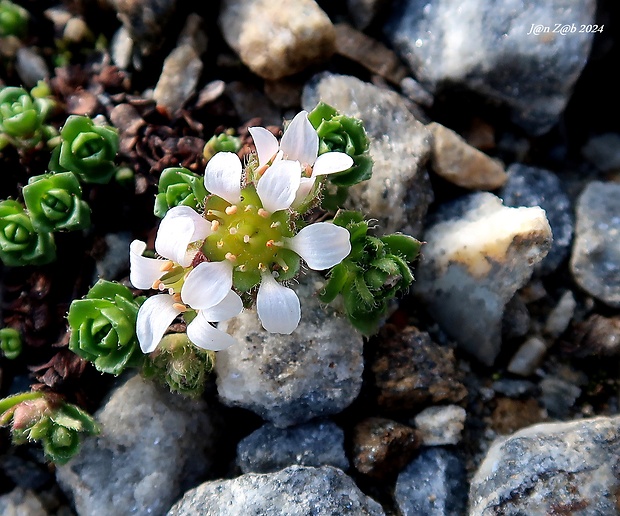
<point>330,163</point>
<point>154,317</point>
<point>180,227</point>
<point>143,271</point>
<point>223,176</point>
<point>322,245</point>
<point>266,144</point>
<point>279,184</point>
<point>278,306</point>
<point>228,307</point>
<point>205,336</point>
<point>207,284</point>
<point>300,141</point>
<point>305,187</point>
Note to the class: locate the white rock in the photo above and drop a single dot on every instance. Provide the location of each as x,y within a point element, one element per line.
<point>441,425</point>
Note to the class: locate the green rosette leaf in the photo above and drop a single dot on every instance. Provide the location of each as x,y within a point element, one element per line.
<point>86,149</point>
<point>376,270</point>
<point>55,203</point>
<point>13,19</point>
<point>340,133</point>
<point>179,187</point>
<point>103,327</point>
<point>20,243</point>
<point>10,343</point>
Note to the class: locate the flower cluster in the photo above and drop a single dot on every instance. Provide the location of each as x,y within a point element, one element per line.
<point>57,425</point>
<point>248,234</point>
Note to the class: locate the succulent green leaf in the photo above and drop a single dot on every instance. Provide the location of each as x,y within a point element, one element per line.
<point>10,343</point>
<point>179,187</point>
<point>13,19</point>
<point>402,245</point>
<point>55,203</point>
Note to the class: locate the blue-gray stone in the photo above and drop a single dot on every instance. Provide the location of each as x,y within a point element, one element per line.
<point>529,186</point>
<point>552,468</point>
<point>491,47</point>
<point>433,484</point>
<point>595,261</point>
<point>294,491</point>
<point>269,449</point>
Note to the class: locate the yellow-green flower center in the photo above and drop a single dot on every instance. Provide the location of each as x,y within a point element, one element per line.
<point>251,238</point>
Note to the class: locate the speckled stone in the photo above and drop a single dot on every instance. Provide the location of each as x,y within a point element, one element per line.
<point>595,261</point>
<point>399,192</point>
<point>277,39</point>
<point>294,491</point>
<point>291,379</point>
<point>551,468</point>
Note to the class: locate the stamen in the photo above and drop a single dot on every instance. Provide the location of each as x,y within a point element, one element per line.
<point>171,291</point>
<point>180,307</point>
<point>156,284</point>
<point>260,171</point>
<point>241,268</point>
<point>220,244</point>
<point>233,231</point>
<point>283,265</point>
<point>177,297</point>
<point>214,225</point>
<point>249,207</point>
<point>307,170</point>
<point>273,243</point>
<point>216,213</point>
<point>231,257</point>
<point>231,210</point>
<point>246,239</point>
<point>275,225</point>
<point>263,213</point>
<point>262,267</point>
<point>166,266</point>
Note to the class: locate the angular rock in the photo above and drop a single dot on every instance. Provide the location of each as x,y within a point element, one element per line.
<point>529,186</point>
<point>598,336</point>
<point>277,39</point>
<point>487,47</point>
<point>554,468</point>
<point>31,67</point>
<point>271,449</point>
<point>460,163</point>
<point>561,315</point>
<point>528,357</point>
<point>182,68</point>
<point>369,53</point>
<point>290,379</point>
<point>482,252</point>
<point>410,371</point>
<point>595,261</point>
<point>294,491</point>
<point>558,395</point>
<point>115,260</point>
<point>382,447</point>
<point>432,484</point>
<point>441,425</point>
<point>510,415</point>
<point>152,444</point>
<point>399,192</point>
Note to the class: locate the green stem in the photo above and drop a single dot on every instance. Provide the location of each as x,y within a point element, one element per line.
<point>11,401</point>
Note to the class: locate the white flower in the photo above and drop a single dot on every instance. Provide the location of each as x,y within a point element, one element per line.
<point>300,143</point>
<point>321,245</point>
<point>158,312</point>
<point>179,228</point>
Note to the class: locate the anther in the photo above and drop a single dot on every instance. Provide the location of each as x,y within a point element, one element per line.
<point>231,210</point>
<point>263,213</point>
<point>233,231</point>
<point>246,239</point>
<point>307,169</point>
<point>249,207</point>
<point>180,307</point>
<point>156,284</point>
<point>220,243</point>
<point>166,266</point>
<point>231,257</point>
<point>176,297</point>
<point>214,225</point>
<point>275,225</point>
<point>241,268</point>
<point>270,243</point>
